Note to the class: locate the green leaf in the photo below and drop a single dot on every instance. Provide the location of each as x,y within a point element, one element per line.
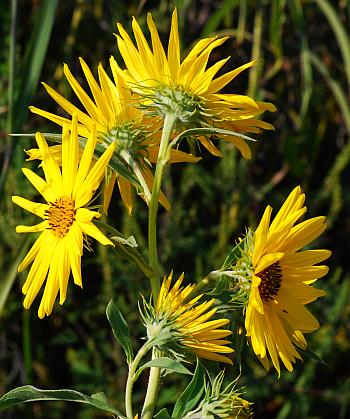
<point>191,395</point>
<point>205,131</point>
<point>162,414</point>
<point>120,329</point>
<point>31,394</point>
<point>168,364</point>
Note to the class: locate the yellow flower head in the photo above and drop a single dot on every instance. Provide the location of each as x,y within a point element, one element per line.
<point>282,279</point>
<point>190,322</point>
<point>66,220</point>
<point>112,110</point>
<point>188,88</point>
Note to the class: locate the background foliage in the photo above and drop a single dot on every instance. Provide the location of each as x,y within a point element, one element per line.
<point>303,52</point>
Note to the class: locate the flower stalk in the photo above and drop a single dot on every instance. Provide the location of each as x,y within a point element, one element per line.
<point>132,377</point>
<point>152,389</point>
<point>163,157</point>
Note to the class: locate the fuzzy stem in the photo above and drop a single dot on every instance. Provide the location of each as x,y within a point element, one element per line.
<point>169,121</point>
<point>132,377</point>
<point>152,390</point>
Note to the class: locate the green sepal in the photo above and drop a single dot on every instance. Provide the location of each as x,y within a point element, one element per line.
<point>167,364</point>
<point>162,414</point>
<point>237,252</point>
<point>309,353</point>
<point>26,394</point>
<point>191,395</point>
<point>120,329</point>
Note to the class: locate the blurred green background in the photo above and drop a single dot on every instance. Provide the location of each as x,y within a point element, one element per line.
<point>303,52</point>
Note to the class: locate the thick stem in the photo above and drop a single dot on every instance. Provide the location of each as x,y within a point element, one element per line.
<point>152,390</point>
<point>169,121</point>
<point>132,377</point>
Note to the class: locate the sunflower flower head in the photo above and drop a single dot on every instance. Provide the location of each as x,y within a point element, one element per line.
<point>282,281</point>
<point>67,220</point>
<point>111,108</point>
<point>219,402</point>
<point>189,88</point>
<point>185,326</point>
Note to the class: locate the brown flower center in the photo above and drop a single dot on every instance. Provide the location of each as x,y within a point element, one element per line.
<point>61,215</point>
<point>271,279</point>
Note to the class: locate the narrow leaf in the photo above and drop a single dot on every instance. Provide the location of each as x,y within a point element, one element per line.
<point>162,414</point>
<point>31,394</point>
<point>205,131</point>
<point>168,364</point>
<point>120,329</point>
<point>191,395</point>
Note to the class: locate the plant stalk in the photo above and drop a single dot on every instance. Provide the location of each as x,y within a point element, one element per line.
<point>163,157</point>
<point>152,390</point>
<point>132,377</point>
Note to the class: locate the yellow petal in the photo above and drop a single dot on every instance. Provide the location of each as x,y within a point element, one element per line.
<point>34,207</point>
<point>91,230</point>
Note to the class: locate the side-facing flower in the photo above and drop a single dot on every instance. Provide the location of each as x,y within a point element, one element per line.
<point>113,110</point>
<point>276,318</point>
<point>66,219</point>
<point>189,324</point>
<point>221,402</point>
<point>188,88</point>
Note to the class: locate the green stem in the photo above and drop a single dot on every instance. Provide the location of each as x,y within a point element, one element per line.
<point>131,162</point>
<point>163,156</point>
<point>132,377</point>
<point>152,390</point>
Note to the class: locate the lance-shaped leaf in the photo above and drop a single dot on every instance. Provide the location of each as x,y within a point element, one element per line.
<point>195,132</point>
<point>191,395</point>
<point>120,329</point>
<point>27,394</point>
<point>167,364</point>
<point>162,414</point>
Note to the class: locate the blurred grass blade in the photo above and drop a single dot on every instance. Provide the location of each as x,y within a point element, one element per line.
<point>242,19</point>
<point>275,26</point>
<point>339,32</point>
<point>306,67</point>
<point>218,16</point>
<point>10,93</point>
<point>7,280</point>
<point>256,53</point>
<point>336,88</point>
<point>34,58</point>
